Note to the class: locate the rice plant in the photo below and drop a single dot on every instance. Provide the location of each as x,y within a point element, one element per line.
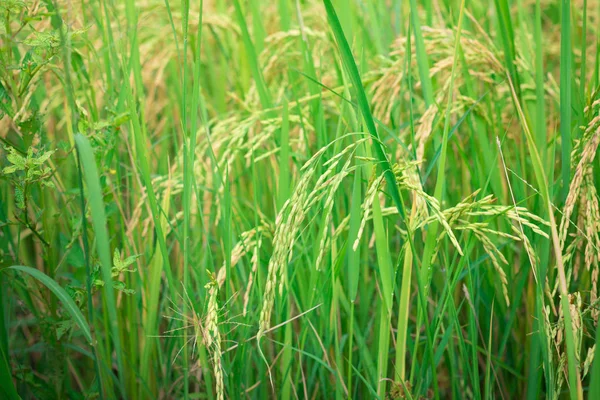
<point>299,199</point>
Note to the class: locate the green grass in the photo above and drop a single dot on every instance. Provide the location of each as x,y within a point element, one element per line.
<point>299,199</point>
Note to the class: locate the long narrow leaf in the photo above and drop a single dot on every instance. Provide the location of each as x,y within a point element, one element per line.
<point>92,180</point>
<point>363,104</point>
<point>62,295</point>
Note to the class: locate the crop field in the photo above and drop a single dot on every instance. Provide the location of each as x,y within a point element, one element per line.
<point>299,199</point>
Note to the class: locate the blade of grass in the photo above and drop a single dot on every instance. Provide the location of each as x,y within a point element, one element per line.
<point>284,158</point>
<point>565,95</point>
<point>594,389</point>
<point>422,58</point>
<point>575,389</point>
<point>353,255</point>
<point>263,92</point>
<point>363,104</point>
<point>432,231</point>
<point>403,315</point>
<point>441,180</point>
<point>384,265</point>
<point>508,42</point>
<point>7,387</point>
<point>540,115</point>
<point>90,173</point>
<point>189,154</point>
<point>257,26</point>
<point>62,295</point>
<point>284,15</point>
<point>354,251</point>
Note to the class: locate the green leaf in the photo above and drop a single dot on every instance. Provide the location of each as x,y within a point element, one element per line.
<point>595,375</point>
<point>117,258</point>
<point>68,303</point>
<point>120,265</point>
<point>78,64</point>
<point>63,327</point>
<point>130,260</point>
<point>43,40</point>
<point>122,287</point>
<point>354,255</point>
<point>7,388</point>
<point>98,282</point>
<point>10,170</point>
<point>19,197</point>
<point>97,206</point>
<point>43,158</point>
<point>121,119</point>
<point>12,6</point>
<point>5,103</point>
<point>261,87</point>
<point>422,58</point>
<point>15,158</point>
<point>566,56</point>
<point>363,104</point>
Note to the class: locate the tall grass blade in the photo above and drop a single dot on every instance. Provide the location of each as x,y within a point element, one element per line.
<point>90,172</point>
<point>565,94</point>
<point>363,105</point>
<point>263,92</point>
<point>422,58</point>
<point>575,390</point>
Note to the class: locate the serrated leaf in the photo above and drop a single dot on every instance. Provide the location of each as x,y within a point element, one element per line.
<point>98,282</point>
<point>101,125</point>
<point>19,198</point>
<point>76,293</point>
<point>15,158</point>
<point>120,286</point>
<point>43,40</point>
<point>120,265</point>
<point>130,260</point>
<point>12,6</point>
<point>43,158</point>
<point>82,125</point>
<point>117,258</point>
<point>120,119</point>
<point>63,327</point>
<point>10,170</point>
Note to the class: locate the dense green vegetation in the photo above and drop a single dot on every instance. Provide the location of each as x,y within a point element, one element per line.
<point>299,199</point>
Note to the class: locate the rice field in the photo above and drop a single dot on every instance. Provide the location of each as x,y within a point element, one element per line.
<point>299,199</point>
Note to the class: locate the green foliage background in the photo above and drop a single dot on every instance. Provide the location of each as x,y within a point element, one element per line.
<point>299,199</point>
